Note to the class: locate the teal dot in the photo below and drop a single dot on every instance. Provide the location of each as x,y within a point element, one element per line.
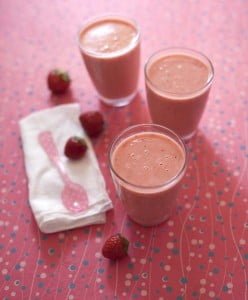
<point>210,253</point>
<point>135,277</point>
<point>51,251</point>
<point>215,270</point>
<point>72,286</point>
<point>100,270</point>
<point>225,288</point>
<point>72,268</point>
<point>85,262</point>
<point>41,284</point>
<point>183,280</point>
<point>130,266</point>
<point>7,277</point>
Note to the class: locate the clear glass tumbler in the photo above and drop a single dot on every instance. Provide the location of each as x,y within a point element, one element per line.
<point>178,82</point>
<point>147,204</point>
<point>110,48</point>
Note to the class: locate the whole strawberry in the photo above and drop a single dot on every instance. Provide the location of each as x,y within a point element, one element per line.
<point>75,148</point>
<point>115,247</point>
<point>58,81</point>
<point>92,122</point>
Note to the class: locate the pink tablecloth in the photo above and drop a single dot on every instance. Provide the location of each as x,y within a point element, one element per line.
<point>202,251</point>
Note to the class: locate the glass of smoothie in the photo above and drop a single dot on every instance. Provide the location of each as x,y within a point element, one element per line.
<point>178,81</point>
<point>110,47</point>
<point>147,164</point>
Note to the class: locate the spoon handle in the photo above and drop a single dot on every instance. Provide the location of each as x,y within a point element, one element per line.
<point>47,142</point>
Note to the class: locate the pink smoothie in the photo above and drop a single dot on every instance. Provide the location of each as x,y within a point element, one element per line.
<point>177,87</point>
<point>148,164</point>
<point>110,48</point>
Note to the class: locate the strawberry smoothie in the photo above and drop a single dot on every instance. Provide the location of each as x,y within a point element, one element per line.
<point>110,47</point>
<point>147,164</point>
<point>178,82</point>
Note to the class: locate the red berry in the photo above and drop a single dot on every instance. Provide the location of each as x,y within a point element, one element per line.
<point>115,247</point>
<point>92,122</point>
<point>75,148</point>
<point>58,81</point>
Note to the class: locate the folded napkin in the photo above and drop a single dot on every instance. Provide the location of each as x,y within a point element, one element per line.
<point>47,185</point>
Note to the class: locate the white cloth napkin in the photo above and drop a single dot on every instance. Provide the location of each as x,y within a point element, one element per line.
<point>45,183</point>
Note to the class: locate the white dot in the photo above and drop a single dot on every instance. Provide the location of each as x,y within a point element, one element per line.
<point>192,254</point>
<point>143,261</point>
<point>170,223</point>
<point>188,268</point>
<point>211,246</point>
<point>16,227</point>
<point>229,285</point>
<point>203,281</point>
<point>143,293</point>
<point>170,245</point>
<point>167,268</point>
<point>133,259</point>
<point>200,242</point>
<point>187,205</point>
<point>13,294</point>
<point>194,242</point>
<point>97,254</point>
<point>236,173</point>
<point>127,282</point>
<point>71,297</point>
<point>211,183</point>
<point>208,195</point>
<point>171,233</point>
<point>75,238</point>
<point>22,263</point>
<point>222,203</point>
<point>211,294</point>
<point>202,290</point>
<point>6,288</point>
<point>98,240</point>
<point>61,236</point>
<point>4,271</point>
<point>124,294</point>
<point>129,276</point>
<point>242,242</point>
<point>43,275</point>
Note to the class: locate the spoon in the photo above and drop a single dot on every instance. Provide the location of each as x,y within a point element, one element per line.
<point>74,196</point>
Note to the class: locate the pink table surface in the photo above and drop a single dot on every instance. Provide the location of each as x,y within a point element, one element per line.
<point>202,251</point>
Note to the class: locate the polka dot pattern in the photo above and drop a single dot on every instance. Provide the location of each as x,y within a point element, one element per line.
<point>201,251</point>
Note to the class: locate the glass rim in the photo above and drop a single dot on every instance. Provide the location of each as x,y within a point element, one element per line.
<point>183,51</point>
<point>176,138</point>
<point>103,17</point>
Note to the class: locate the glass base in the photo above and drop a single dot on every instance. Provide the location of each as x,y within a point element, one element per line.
<point>186,138</point>
<point>118,102</point>
<point>150,224</point>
